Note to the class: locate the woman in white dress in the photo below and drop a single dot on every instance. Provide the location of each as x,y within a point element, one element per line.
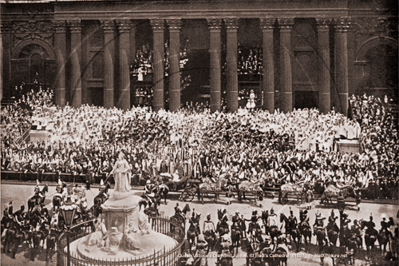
<point>120,172</point>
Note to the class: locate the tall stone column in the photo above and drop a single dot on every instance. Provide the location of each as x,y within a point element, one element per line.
<point>267,26</point>
<point>215,63</point>
<point>124,73</point>
<point>323,29</point>
<point>109,62</point>
<point>76,58</point>
<point>1,60</point>
<point>4,57</point>
<point>60,61</point>
<point>231,59</point>
<point>285,25</point>
<point>341,62</point>
<point>158,27</point>
<point>174,58</point>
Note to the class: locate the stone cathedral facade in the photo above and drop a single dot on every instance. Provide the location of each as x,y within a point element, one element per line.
<point>300,53</point>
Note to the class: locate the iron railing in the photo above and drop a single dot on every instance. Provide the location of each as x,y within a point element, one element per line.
<point>162,257</point>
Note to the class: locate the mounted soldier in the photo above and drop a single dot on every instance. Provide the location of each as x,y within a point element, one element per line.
<point>254,229</point>
<point>209,231</point>
<point>272,223</point>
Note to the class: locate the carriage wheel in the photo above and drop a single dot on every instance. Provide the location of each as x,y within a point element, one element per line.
<point>185,195</point>
<point>284,199</point>
<point>190,196</point>
<point>302,198</point>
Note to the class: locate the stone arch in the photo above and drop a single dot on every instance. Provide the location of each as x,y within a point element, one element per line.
<point>375,41</point>
<point>18,48</point>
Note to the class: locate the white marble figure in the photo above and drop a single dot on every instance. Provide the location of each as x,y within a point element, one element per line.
<point>97,238</point>
<point>121,176</point>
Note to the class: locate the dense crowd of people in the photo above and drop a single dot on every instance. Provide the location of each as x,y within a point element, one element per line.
<point>294,147</point>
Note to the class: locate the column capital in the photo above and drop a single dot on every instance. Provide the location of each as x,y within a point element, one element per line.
<point>174,24</point>
<point>267,23</point>
<point>231,23</point>
<point>59,25</point>
<point>323,23</point>
<point>75,25</point>
<point>108,25</point>
<point>214,23</point>
<point>123,25</point>
<point>285,23</point>
<point>342,24</point>
<point>157,24</point>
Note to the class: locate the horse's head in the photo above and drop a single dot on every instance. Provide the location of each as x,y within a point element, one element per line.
<point>265,215</point>
<point>45,189</point>
<point>186,208</point>
<point>282,217</point>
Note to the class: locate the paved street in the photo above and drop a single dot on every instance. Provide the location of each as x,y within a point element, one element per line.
<point>19,194</point>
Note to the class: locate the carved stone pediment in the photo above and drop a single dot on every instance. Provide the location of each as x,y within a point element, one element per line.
<point>33,29</point>
<point>371,26</point>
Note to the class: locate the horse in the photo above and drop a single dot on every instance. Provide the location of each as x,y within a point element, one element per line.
<point>193,230</point>
<point>352,241</point>
<point>36,238</point>
<point>248,186</point>
<point>57,201</point>
<point>37,201</point>
<point>102,195</point>
<point>370,236</point>
<point>235,236</point>
<point>305,230</point>
<point>51,240</point>
<point>290,188</point>
<point>332,232</point>
<point>334,191</point>
<point>264,216</point>
<point>321,240</point>
<point>383,240</point>
<point>186,211</point>
<point>177,219</point>
<point>291,229</point>
<point>395,243</point>
<point>205,188</point>
<point>14,238</point>
<point>162,190</point>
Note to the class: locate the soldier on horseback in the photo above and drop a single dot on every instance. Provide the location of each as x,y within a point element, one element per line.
<point>222,227</point>
<point>209,231</point>
<point>370,226</point>
<point>356,233</point>
<point>385,226</point>
<point>254,229</point>
<point>292,221</point>
<point>272,224</point>
<point>303,216</point>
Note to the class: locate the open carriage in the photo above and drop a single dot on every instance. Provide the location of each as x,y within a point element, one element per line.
<point>174,182</point>
<point>190,190</point>
<point>338,193</point>
<point>293,192</point>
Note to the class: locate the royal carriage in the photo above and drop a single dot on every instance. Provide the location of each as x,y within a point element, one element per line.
<point>296,192</point>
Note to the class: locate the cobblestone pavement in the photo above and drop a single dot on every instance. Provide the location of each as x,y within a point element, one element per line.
<point>20,193</point>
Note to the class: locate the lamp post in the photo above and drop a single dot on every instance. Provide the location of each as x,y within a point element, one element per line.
<point>68,212</point>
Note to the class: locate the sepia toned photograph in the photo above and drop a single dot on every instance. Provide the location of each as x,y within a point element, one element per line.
<point>199,132</point>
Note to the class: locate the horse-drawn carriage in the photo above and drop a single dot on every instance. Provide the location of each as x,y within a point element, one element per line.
<point>245,190</point>
<point>293,191</point>
<point>338,193</point>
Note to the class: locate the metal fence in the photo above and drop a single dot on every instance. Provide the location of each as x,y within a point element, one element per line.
<point>163,257</point>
